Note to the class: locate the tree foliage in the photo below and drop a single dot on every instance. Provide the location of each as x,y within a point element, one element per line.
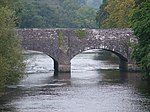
<point>115,13</point>
<point>130,13</point>
<point>141,25</point>
<point>102,14</point>
<point>59,13</point>
<point>11,60</point>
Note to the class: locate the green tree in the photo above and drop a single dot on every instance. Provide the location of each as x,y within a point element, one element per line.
<point>28,17</point>
<point>11,60</point>
<point>119,13</point>
<point>139,1</point>
<point>141,25</point>
<point>115,13</point>
<point>101,14</point>
<point>56,13</point>
<point>50,16</point>
<point>76,14</point>
<point>85,17</point>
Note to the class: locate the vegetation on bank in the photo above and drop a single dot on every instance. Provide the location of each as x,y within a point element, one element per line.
<point>130,14</point>
<point>115,13</point>
<point>11,59</point>
<point>57,13</point>
<point>141,25</point>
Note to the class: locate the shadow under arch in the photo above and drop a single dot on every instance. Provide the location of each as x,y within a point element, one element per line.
<point>123,61</point>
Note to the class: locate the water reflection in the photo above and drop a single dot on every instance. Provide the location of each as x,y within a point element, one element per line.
<point>114,76</point>
<point>63,77</point>
<point>87,89</point>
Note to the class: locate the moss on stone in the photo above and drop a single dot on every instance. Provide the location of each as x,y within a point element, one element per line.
<point>80,33</point>
<point>60,39</point>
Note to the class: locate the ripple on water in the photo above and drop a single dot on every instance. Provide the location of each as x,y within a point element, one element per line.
<point>90,89</point>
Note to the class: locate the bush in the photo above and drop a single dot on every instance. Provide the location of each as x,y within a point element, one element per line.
<point>141,25</point>
<point>11,59</point>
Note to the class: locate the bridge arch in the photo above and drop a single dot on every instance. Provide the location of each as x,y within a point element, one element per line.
<point>55,62</point>
<point>62,44</point>
<point>121,57</point>
<point>122,60</point>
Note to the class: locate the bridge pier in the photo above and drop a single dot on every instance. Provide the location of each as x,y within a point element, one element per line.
<point>123,65</point>
<point>62,68</point>
<point>55,66</point>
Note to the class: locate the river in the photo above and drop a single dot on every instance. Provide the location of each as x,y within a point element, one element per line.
<point>93,86</point>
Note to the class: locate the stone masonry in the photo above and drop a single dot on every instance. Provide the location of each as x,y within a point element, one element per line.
<point>62,44</point>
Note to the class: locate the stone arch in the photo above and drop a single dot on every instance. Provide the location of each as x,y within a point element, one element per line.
<point>55,61</point>
<point>122,57</point>
<point>122,62</point>
<point>42,40</point>
<point>48,41</point>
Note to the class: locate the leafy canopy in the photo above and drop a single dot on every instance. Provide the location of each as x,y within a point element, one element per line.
<point>141,25</point>
<point>115,13</point>
<point>58,13</point>
<point>11,60</point>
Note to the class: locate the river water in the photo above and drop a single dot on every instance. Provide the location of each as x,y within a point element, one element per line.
<point>93,86</point>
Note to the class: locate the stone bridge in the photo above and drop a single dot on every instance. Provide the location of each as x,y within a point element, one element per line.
<point>62,44</point>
